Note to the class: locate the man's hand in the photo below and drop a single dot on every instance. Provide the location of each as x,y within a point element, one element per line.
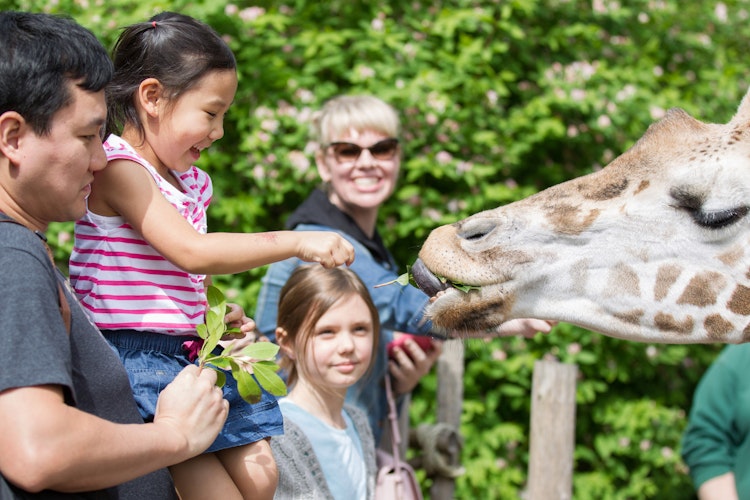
<point>193,408</point>
<point>525,326</point>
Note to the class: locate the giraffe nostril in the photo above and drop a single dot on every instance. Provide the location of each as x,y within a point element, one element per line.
<point>476,229</point>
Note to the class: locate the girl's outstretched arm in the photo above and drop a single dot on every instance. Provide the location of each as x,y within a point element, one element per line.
<point>125,188</point>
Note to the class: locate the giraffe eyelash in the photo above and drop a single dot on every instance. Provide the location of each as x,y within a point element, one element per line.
<point>718,219</point>
<point>709,219</point>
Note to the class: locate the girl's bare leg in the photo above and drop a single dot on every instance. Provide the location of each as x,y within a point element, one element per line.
<point>252,468</point>
<point>204,477</point>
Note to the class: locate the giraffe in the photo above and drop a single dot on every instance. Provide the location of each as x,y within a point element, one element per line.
<point>652,248</point>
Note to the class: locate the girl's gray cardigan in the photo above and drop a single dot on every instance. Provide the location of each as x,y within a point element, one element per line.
<point>300,474</point>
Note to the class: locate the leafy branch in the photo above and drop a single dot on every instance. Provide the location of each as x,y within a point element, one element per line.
<point>408,279</point>
<point>256,359</point>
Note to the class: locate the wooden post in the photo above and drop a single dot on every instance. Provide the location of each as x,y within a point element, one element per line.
<point>552,440</point>
<point>450,394</point>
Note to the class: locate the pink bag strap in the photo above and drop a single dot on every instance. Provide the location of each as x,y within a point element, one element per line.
<point>393,418</point>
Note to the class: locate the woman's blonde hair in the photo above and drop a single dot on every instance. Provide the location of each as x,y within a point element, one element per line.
<point>358,112</point>
<point>308,294</point>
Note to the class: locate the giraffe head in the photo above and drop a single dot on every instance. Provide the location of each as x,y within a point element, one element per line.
<point>654,247</point>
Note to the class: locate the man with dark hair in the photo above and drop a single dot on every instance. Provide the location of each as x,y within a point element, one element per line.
<point>70,424</point>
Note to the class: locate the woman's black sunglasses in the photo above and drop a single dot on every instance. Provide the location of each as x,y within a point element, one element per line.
<point>347,152</point>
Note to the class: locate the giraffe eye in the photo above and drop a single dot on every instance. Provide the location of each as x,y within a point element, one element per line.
<point>693,202</point>
<point>719,218</point>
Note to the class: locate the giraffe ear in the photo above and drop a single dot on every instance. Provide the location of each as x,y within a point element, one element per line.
<point>742,117</point>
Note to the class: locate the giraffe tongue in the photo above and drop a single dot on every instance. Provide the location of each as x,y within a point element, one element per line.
<point>425,280</point>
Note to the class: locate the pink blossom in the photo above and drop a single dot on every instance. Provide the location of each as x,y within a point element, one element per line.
<point>366,72</point>
<point>499,355</point>
<point>63,237</point>
<point>464,166</point>
<point>657,112</point>
<point>304,95</point>
<point>444,157</point>
<point>252,13</point>
<point>720,11</point>
<point>604,121</point>
<point>299,160</point>
<point>258,172</point>
<point>578,94</point>
<point>270,125</point>
<point>432,214</point>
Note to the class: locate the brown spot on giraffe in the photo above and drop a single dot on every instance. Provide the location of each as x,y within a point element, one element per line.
<point>717,327</point>
<point>567,219</point>
<point>667,323</point>
<point>732,256</point>
<point>702,290</point>
<point>631,317</point>
<point>579,274</point>
<point>665,278</point>
<point>606,192</point>
<point>643,185</point>
<point>624,280</point>
<point>740,301</point>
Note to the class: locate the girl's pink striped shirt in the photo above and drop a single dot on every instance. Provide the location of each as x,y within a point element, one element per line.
<point>121,280</point>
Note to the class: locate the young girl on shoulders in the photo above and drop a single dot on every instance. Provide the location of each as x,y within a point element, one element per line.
<point>142,252</point>
<point>327,331</point>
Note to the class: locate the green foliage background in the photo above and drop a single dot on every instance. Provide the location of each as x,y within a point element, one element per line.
<point>499,99</point>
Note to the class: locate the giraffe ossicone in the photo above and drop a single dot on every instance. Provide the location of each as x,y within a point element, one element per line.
<point>655,247</point>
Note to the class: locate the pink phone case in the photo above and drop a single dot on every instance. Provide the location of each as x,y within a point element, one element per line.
<point>423,341</point>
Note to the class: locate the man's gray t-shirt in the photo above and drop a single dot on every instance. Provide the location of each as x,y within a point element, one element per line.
<point>36,349</point>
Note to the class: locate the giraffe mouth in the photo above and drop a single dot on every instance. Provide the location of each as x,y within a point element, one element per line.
<point>432,284</point>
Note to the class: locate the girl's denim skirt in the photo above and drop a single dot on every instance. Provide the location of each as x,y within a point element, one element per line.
<point>153,360</point>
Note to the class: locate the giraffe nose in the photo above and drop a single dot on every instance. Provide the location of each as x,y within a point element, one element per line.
<point>473,229</point>
<point>426,280</point>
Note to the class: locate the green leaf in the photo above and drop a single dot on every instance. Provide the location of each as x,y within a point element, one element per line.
<point>202,331</point>
<point>208,347</point>
<point>246,385</point>
<point>261,350</point>
<point>402,280</point>
<point>221,377</point>
<point>265,372</point>
<point>215,324</point>
<point>216,300</point>
<point>222,362</point>
<point>465,288</point>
